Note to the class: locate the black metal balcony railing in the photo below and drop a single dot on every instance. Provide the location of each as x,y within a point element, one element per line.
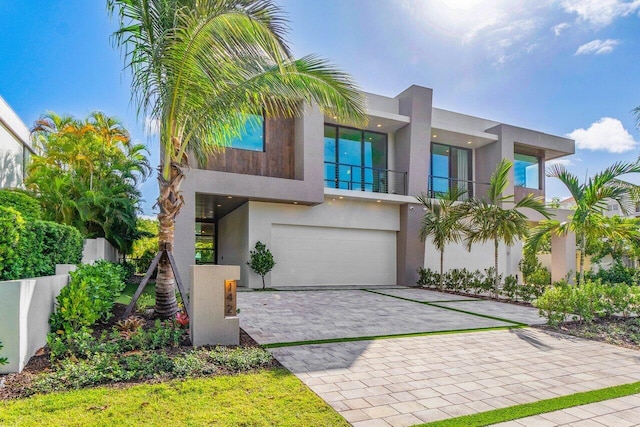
<point>439,185</point>
<point>362,178</point>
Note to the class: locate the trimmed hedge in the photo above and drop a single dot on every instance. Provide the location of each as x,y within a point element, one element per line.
<point>19,200</point>
<point>32,248</point>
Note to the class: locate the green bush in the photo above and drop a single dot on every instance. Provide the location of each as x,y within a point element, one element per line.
<point>618,273</point>
<point>3,360</point>
<point>11,224</point>
<point>556,303</point>
<point>428,278</point>
<point>33,248</point>
<point>88,297</point>
<point>21,201</point>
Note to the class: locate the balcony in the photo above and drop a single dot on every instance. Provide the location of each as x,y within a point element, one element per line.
<point>362,178</point>
<point>439,185</point>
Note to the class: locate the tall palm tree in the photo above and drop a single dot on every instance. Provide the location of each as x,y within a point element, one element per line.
<point>200,69</point>
<point>488,219</point>
<point>441,221</point>
<point>591,199</point>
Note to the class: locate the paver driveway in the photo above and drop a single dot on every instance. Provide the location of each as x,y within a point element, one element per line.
<point>410,380</point>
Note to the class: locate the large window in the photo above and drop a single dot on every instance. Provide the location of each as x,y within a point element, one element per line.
<point>450,166</point>
<point>355,159</point>
<point>252,136</point>
<point>205,243</point>
<point>526,171</point>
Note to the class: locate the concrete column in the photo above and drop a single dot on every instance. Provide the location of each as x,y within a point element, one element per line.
<point>563,256</point>
<point>184,249</point>
<point>208,323</point>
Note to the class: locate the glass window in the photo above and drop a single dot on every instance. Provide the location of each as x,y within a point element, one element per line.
<point>252,136</point>
<point>205,243</point>
<point>526,171</point>
<point>355,159</point>
<point>450,166</point>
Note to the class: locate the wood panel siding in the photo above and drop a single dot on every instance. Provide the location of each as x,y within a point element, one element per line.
<point>277,161</point>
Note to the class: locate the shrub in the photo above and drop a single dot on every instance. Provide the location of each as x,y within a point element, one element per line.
<point>33,248</point>
<point>618,273</point>
<point>556,302</point>
<point>88,297</point>
<point>22,202</point>
<point>510,289</point>
<point>3,360</point>
<point>11,224</point>
<point>428,278</point>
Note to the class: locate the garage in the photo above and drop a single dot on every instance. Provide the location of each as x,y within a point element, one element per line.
<point>311,255</point>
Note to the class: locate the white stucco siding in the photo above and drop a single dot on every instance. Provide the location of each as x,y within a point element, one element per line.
<point>338,242</point>
<point>327,255</point>
<point>480,257</point>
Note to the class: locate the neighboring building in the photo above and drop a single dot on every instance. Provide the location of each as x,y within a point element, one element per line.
<point>336,204</point>
<point>14,147</point>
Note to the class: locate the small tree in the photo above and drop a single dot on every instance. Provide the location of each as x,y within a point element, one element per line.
<point>261,260</point>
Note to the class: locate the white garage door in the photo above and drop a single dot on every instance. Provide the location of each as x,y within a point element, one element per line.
<point>332,256</point>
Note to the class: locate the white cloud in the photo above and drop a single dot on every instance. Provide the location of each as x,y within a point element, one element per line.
<point>607,134</point>
<point>597,47</point>
<point>564,162</point>
<point>600,13</point>
<point>558,29</point>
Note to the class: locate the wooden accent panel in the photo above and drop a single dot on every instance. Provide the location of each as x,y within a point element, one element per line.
<point>277,161</point>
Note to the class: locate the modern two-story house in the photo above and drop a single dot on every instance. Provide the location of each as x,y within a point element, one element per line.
<point>15,148</point>
<point>336,205</point>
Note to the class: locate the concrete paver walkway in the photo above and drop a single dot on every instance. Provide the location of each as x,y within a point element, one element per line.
<point>411,380</point>
<point>620,412</point>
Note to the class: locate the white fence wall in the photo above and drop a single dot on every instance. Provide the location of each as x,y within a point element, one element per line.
<point>100,248</point>
<point>25,307</point>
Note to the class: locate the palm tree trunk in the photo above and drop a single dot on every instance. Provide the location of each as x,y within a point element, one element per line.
<point>495,278</point>
<point>441,270</point>
<point>583,246</point>
<point>170,201</point>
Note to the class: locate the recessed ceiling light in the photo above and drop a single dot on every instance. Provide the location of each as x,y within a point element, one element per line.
<point>435,136</point>
<point>379,125</point>
<point>341,197</point>
<point>219,206</point>
<point>229,197</point>
<point>469,142</point>
<point>335,117</point>
<point>378,201</point>
<point>295,203</point>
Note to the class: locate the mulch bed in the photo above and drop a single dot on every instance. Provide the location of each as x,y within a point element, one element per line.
<point>623,332</point>
<point>12,385</point>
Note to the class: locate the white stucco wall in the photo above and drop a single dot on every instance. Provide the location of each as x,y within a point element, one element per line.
<point>25,307</point>
<point>480,257</point>
<point>100,248</point>
<point>264,217</point>
<point>233,241</point>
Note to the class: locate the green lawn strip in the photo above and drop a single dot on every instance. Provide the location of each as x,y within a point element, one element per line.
<point>433,304</point>
<point>267,398</point>
<point>386,337</point>
<point>130,289</point>
<point>541,407</point>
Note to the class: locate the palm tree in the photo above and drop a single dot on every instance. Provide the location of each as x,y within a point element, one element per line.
<point>591,199</point>
<point>442,221</point>
<point>488,219</point>
<point>201,68</point>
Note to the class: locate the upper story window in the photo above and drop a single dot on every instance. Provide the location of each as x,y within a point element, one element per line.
<point>450,166</point>
<point>252,136</point>
<point>355,159</point>
<point>526,171</point>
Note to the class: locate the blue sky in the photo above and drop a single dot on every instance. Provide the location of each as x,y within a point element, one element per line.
<point>565,67</point>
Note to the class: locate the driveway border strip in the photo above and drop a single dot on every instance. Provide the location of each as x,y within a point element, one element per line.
<point>385,337</point>
<point>435,304</point>
<point>540,407</point>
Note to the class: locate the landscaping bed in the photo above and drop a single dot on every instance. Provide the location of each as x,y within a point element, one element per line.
<point>104,359</point>
<point>624,332</point>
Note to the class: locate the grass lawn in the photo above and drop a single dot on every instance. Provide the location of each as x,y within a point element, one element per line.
<point>273,397</point>
<point>130,289</point>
